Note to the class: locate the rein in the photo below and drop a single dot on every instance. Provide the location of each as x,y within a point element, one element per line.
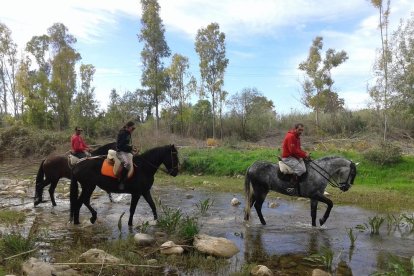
<point>162,169</point>
<point>332,182</point>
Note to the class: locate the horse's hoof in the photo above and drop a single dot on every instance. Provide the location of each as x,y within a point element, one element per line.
<point>92,220</point>
<point>321,222</point>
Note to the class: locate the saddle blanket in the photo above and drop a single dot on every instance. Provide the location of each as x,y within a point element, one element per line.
<point>108,169</point>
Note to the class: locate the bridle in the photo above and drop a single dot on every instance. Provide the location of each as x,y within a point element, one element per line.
<point>330,179</point>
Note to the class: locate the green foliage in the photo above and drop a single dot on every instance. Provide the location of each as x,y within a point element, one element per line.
<point>22,142</point>
<point>223,161</point>
<point>13,243</point>
<point>143,228</point>
<point>375,224</point>
<point>352,237</point>
<point>10,217</point>
<point>155,49</point>
<point>317,86</point>
<point>324,257</point>
<point>211,48</point>
<point>384,154</point>
<point>175,222</point>
<point>204,205</point>
<point>169,219</point>
<point>188,228</point>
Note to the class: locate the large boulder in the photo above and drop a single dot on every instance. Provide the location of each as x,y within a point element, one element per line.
<point>219,247</point>
<point>35,267</point>
<point>95,255</point>
<point>261,270</point>
<point>144,239</point>
<point>170,248</point>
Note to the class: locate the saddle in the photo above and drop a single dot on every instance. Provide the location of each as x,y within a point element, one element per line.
<point>112,166</point>
<point>285,172</point>
<point>73,160</point>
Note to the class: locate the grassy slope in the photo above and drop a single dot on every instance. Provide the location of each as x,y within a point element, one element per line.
<point>221,169</point>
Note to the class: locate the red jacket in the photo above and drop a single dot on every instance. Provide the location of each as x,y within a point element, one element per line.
<point>78,145</point>
<point>291,146</point>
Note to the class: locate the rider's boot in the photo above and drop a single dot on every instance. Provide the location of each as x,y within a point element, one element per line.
<point>123,178</point>
<point>295,182</point>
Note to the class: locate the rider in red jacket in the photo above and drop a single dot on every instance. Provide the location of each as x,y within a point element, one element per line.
<point>292,153</point>
<point>79,147</point>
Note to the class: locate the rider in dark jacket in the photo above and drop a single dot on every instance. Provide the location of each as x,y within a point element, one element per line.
<point>124,150</point>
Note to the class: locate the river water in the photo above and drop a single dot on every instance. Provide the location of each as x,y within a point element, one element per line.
<point>283,244</point>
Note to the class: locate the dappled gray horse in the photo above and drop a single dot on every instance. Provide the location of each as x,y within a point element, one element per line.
<point>265,176</point>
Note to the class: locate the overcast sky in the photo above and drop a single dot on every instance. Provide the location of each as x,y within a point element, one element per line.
<point>265,40</point>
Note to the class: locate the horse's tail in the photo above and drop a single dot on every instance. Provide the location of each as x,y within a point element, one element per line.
<point>247,195</point>
<point>39,180</point>
<point>74,194</point>
<point>40,173</point>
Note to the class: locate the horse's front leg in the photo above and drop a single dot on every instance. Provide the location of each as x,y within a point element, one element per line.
<point>132,207</point>
<point>328,202</point>
<point>147,196</point>
<point>314,206</point>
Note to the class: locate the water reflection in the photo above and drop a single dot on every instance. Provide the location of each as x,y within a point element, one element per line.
<point>260,249</point>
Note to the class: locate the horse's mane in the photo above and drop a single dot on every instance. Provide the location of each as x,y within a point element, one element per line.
<point>153,151</point>
<point>329,158</point>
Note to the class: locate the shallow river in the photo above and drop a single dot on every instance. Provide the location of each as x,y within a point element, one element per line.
<point>281,245</point>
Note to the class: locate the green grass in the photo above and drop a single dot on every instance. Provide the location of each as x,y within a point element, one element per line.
<point>10,217</point>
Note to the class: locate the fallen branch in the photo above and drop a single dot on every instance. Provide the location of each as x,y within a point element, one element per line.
<point>109,264</point>
<point>23,253</point>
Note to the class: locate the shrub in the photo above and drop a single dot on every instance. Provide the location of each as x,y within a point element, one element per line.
<point>384,154</point>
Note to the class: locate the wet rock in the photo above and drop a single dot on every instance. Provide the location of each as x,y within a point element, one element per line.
<point>19,193</point>
<point>188,196</point>
<point>170,248</point>
<point>95,255</point>
<point>319,272</point>
<point>65,270</point>
<point>219,247</point>
<point>235,202</point>
<point>326,193</point>
<point>35,267</point>
<point>273,205</point>
<point>144,239</point>
<point>261,270</point>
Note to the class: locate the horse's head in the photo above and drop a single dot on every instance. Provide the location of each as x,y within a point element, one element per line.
<point>171,161</point>
<point>348,173</point>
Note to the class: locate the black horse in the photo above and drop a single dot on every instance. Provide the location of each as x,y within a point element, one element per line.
<point>263,176</point>
<point>88,174</point>
<point>54,167</point>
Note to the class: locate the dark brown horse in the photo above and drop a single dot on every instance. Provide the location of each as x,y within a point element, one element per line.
<point>88,174</point>
<point>55,167</point>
